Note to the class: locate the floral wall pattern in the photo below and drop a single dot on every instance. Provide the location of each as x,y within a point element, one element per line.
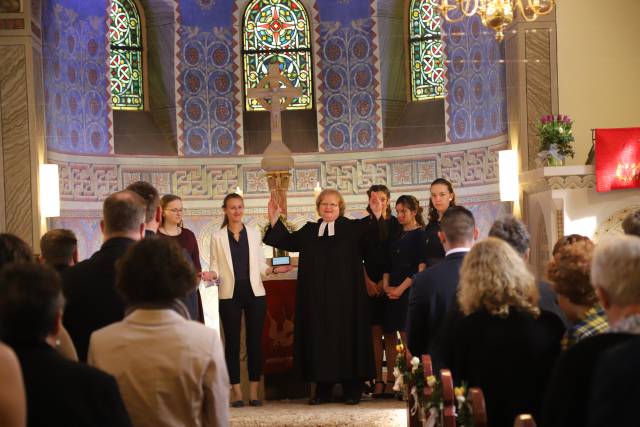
<point>476,82</point>
<point>75,77</point>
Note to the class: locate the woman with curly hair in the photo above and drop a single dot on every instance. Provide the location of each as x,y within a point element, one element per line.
<point>504,344</point>
<point>570,275</point>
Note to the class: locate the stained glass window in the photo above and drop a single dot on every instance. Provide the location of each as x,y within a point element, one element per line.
<point>427,59</point>
<point>277,31</point>
<point>125,37</point>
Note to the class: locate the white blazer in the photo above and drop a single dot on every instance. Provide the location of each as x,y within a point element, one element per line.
<point>222,264</point>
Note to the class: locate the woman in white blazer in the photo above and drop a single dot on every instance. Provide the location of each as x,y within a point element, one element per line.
<point>238,261</point>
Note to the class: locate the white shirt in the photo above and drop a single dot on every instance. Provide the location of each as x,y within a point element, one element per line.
<point>170,371</point>
<point>456,250</point>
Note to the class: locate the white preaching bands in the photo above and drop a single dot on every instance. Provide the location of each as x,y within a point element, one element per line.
<point>323,226</point>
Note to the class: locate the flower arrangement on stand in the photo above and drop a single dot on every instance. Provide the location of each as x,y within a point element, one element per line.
<point>555,139</point>
<point>410,380</point>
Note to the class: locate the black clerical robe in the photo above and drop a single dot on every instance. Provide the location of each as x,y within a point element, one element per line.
<point>332,335</point>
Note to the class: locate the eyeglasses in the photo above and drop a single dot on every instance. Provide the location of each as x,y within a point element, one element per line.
<point>175,211</point>
<point>329,205</point>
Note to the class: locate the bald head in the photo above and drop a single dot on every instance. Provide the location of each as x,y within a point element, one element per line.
<point>123,214</point>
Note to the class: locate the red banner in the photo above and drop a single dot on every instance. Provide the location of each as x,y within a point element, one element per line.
<point>617,159</point>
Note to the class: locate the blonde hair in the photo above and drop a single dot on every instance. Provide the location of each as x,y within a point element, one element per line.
<point>330,192</point>
<point>495,278</point>
<point>616,269</point>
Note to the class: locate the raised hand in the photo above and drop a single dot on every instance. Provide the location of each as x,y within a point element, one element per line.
<point>375,204</point>
<point>274,210</point>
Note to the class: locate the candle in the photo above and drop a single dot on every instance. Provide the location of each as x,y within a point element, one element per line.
<point>239,191</point>
<point>317,190</point>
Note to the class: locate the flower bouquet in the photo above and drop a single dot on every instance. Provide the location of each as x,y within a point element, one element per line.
<point>555,139</point>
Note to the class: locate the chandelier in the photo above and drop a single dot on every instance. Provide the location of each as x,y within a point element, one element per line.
<point>495,14</point>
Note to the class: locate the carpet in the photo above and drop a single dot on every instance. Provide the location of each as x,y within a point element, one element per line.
<point>387,413</point>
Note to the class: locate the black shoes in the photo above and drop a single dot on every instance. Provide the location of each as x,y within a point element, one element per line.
<point>318,401</point>
<point>351,401</point>
<point>240,404</point>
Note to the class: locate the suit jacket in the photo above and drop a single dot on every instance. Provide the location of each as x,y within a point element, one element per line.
<point>567,400</point>
<point>65,393</point>
<point>433,294</point>
<point>171,371</point>
<point>92,301</point>
<point>222,264</point>
<point>549,302</point>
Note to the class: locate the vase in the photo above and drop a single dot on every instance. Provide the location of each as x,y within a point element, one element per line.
<point>552,161</point>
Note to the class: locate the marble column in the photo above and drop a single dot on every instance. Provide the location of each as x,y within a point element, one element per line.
<point>22,146</point>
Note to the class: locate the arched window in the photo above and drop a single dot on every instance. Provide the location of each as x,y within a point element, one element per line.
<point>277,32</point>
<point>125,37</point>
<point>426,64</point>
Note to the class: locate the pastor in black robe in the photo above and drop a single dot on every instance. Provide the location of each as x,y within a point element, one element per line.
<point>332,335</point>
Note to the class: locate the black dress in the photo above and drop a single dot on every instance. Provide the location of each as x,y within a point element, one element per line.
<point>375,261</point>
<point>434,249</point>
<point>404,254</point>
<point>332,334</point>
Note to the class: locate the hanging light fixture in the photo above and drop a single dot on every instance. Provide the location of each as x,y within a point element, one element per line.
<point>495,14</point>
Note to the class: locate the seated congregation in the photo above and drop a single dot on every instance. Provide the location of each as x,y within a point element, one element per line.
<point>471,336</point>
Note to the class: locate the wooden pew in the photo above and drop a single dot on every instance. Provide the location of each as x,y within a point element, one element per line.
<point>476,399</point>
<point>475,396</point>
<point>448,398</point>
<point>524,420</point>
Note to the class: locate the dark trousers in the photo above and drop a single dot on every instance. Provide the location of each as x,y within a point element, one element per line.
<point>255,309</point>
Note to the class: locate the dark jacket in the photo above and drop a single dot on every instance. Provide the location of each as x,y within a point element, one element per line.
<point>433,294</point>
<point>92,301</point>
<point>65,393</point>
<point>616,387</point>
<point>567,401</point>
<point>549,302</point>
<point>510,359</point>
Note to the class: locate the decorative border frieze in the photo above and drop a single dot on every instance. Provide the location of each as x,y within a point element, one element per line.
<point>85,179</point>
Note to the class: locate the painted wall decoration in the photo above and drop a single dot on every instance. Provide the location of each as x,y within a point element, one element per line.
<point>476,82</point>
<point>349,77</point>
<point>277,32</point>
<point>75,77</point>
<point>207,81</point>
<point>125,58</point>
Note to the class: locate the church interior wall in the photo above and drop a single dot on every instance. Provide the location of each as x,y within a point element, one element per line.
<point>598,71</point>
<point>349,85</point>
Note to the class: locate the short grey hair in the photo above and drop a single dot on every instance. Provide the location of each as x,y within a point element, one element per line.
<point>616,269</point>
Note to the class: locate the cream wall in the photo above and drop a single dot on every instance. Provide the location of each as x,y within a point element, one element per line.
<point>598,66</point>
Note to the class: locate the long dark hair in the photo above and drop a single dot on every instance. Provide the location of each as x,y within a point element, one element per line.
<point>164,201</point>
<point>228,197</point>
<point>411,203</point>
<point>380,188</point>
<point>433,212</point>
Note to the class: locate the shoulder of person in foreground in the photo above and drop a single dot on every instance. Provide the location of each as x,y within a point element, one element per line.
<point>13,412</point>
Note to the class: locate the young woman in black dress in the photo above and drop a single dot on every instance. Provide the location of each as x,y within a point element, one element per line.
<point>374,265</point>
<point>405,257</point>
<point>442,197</point>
